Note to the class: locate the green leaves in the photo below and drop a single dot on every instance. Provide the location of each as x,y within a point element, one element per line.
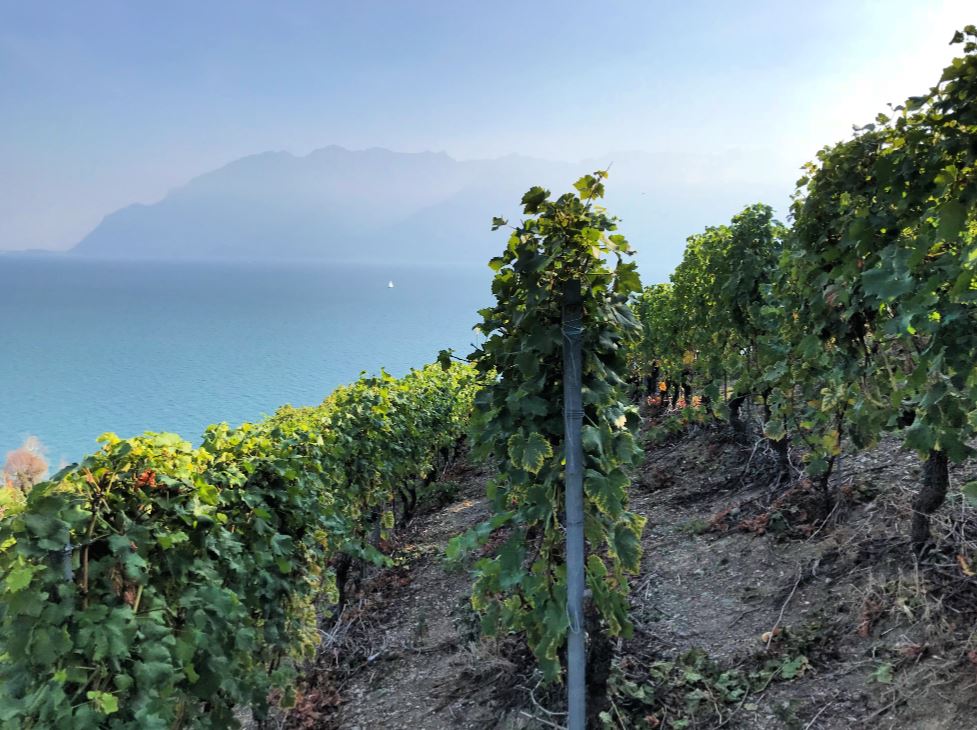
<point>883,673</point>
<point>607,491</point>
<point>859,319</point>
<point>444,359</point>
<point>886,284</point>
<point>531,202</point>
<point>169,539</point>
<point>196,570</point>
<point>590,187</point>
<point>626,542</point>
<point>774,430</point>
<point>953,219</point>
<point>970,492</point>
<point>706,328</point>
<point>518,421</point>
<point>19,578</point>
<point>104,702</point>
<point>529,453</point>
<point>883,229</point>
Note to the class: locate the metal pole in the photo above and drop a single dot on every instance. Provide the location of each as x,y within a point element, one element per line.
<point>66,562</point>
<point>572,422</point>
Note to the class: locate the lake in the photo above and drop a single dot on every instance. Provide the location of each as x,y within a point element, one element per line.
<point>94,346</point>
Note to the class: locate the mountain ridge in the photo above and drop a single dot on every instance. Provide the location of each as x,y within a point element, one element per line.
<point>338,204</point>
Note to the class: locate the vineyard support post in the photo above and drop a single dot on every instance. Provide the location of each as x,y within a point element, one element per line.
<point>573,420</point>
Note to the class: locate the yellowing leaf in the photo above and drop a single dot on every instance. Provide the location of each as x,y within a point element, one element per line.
<point>965,566</point>
<point>537,450</point>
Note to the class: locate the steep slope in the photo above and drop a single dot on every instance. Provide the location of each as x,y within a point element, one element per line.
<point>751,611</point>
<point>754,610</point>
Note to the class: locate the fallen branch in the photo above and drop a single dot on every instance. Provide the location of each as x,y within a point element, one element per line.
<point>783,608</point>
<point>815,718</point>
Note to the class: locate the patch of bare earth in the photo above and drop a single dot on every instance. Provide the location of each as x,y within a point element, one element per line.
<point>405,651</point>
<point>838,623</point>
<point>757,608</point>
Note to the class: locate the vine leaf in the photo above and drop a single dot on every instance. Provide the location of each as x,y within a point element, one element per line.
<point>530,453</point>
<point>970,492</point>
<point>19,578</point>
<point>105,702</point>
<point>532,200</point>
<point>953,218</point>
<point>885,284</point>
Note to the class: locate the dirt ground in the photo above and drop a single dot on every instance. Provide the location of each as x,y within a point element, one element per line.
<point>405,652</point>
<point>753,609</point>
<point>758,581</point>
<point>421,648</point>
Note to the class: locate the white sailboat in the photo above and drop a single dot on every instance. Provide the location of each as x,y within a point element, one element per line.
<point>390,285</point>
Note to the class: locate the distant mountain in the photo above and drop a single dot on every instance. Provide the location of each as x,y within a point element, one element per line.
<point>378,205</point>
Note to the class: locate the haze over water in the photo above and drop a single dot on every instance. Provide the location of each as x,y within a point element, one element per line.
<point>134,133</point>
<point>95,346</point>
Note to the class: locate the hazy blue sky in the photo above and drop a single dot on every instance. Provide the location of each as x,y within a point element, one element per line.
<point>107,103</point>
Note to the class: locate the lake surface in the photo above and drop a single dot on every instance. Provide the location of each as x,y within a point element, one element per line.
<point>94,346</point>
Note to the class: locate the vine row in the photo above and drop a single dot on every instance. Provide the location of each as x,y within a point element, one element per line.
<point>157,585</point>
<point>857,320</point>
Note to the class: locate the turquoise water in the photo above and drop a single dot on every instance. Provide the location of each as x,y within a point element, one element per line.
<point>93,346</point>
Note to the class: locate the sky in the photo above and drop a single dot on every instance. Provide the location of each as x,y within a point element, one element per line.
<point>106,103</point>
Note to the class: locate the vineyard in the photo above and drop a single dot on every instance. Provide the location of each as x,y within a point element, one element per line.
<point>770,445</point>
<point>858,320</point>
<point>156,585</point>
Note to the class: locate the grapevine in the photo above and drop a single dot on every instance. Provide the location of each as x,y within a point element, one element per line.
<point>518,422</point>
<point>193,573</point>
<point>861,318</point>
